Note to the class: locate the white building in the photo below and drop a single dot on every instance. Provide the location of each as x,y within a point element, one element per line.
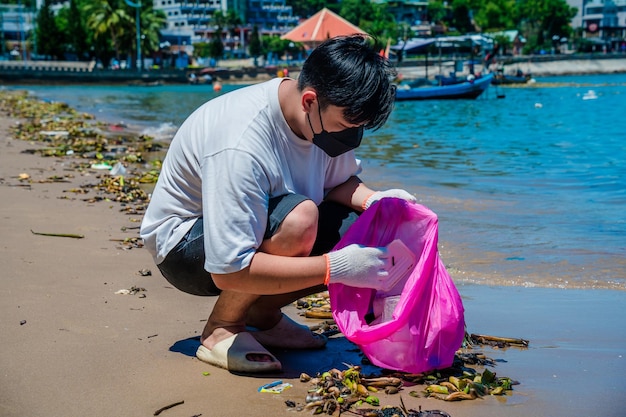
<point>190,21</point>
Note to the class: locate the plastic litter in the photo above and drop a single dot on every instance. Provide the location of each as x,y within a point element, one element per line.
<point>275,387</point>
<point>100,165</point>
<point>118,169</point>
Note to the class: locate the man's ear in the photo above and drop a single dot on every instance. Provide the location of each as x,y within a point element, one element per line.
<point>308,98</point>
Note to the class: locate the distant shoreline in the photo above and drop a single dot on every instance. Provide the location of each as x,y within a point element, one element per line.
<point>544,66</point>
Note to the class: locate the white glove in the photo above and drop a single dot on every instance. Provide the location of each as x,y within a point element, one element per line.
<point>394,192</point>
<point>358,266</point>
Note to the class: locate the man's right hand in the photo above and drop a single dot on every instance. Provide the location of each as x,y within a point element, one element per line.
<point>358,266</point>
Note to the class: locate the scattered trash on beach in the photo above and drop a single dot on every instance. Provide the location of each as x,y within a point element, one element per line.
<point>101,165</point>
<point>346,390</point>
<point>275,387</point>
<point>350,390</point>
<point>131,291</point>
<point>118,169</point>
<point>167,407</point>
<point>70,235</point>
<point>315,306</point>
<point>129,242</point>
<point>495,341</point>
<point>468,378</point>
<point>89,144</point>
<point>54,133</point>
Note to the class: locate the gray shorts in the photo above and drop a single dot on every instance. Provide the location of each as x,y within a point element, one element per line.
<point>184,265</point>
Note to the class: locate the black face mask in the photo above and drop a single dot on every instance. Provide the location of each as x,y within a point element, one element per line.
<point>336,143</point>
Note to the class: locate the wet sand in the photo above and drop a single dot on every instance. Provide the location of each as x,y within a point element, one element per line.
<point>72,347</point>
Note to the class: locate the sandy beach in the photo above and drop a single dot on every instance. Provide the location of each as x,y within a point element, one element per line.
<point>73,347</point>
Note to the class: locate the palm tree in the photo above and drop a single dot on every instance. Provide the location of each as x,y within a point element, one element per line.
<point>152,21</point>
<point>107,19</point>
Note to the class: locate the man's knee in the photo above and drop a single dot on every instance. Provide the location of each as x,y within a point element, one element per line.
<point>301,223</point>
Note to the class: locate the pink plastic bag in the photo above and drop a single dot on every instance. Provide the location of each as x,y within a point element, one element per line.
<point>427,324</point>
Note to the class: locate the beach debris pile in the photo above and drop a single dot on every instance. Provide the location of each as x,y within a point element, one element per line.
<point>466,386</point>
<point>315,306</point>
<point>336,391</point>
<point>339,391</point>
<point>114,152</point>
<point>495,341</point>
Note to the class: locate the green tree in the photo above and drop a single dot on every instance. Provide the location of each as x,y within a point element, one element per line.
<point>202,49</point>
<point>108,20</point>
<point>545,19</point>
<point>462,16</point>
<point>219,19</point>
<point>48,35</point>
<point>275,45</point>
<point>152,21</point>
<point>29,4</point>
<point>372,18</point>
<point>384,27</point>
<point>70,22</point>
<point>437,11</point>
<point>307,8</point>
<point>255,49</point>
<point>496,15</point>
<point>216,47</point>
<point>356,11</point>
<point>233,21</point>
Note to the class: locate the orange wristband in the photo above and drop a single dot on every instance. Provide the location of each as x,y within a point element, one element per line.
<point>365,201</point>
<point>327,277</point>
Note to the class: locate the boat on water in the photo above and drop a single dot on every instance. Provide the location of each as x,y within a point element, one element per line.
<point>469,88</point>
<point>519,77</point>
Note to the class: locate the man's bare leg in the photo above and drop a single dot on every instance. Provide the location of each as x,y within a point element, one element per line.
<point>233,310</point>
<point>227,318</point>
<point>295,237</point>
<point>265,312</point>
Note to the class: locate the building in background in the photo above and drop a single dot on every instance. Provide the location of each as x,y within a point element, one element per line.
<point>191,21</point>
<point>271,16</point>
<point>411,12</point>
<point>604,22</point>
<point>16,24</point>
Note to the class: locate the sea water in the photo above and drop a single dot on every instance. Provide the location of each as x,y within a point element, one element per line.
<point>529,182</point>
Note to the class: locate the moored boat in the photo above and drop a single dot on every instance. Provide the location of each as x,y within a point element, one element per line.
<point>500,78</point>
<point>466,89</point>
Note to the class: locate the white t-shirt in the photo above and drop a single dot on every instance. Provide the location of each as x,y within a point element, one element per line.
<point>225,162</point>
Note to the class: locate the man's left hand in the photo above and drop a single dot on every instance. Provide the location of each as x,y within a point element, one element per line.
<point>394,192</point>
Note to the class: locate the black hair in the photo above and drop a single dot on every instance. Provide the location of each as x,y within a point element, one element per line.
<point>347,72</point>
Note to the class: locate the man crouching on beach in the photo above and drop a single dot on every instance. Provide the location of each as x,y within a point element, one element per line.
<point>257,187</point>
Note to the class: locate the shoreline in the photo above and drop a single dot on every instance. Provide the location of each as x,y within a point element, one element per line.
<point>72,346</point>
<point>537,66</point>
<point>463,265</point>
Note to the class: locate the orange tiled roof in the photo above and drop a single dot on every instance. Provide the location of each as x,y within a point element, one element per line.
<point>321,26</point>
